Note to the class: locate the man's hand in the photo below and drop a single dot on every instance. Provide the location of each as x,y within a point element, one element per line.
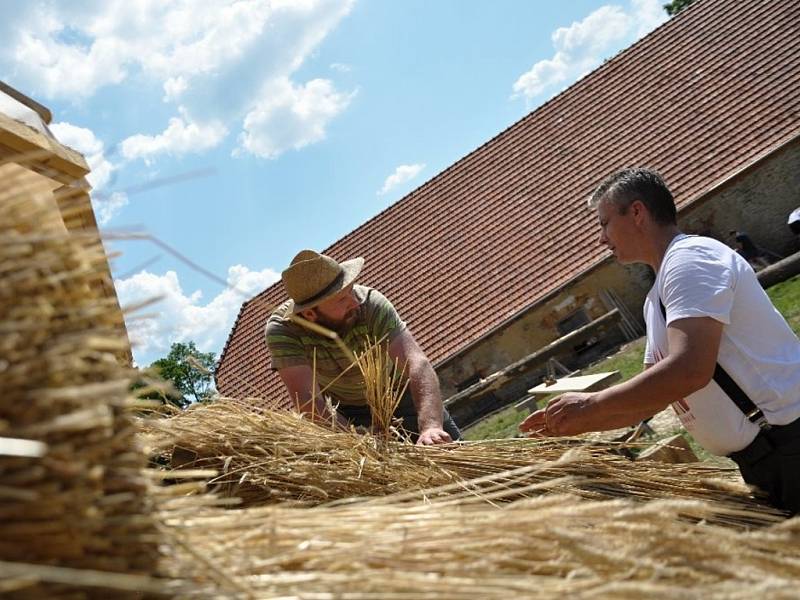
<point>568,414</point>
<point>433,436</point>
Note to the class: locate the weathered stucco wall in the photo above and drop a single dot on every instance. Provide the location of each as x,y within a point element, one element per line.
<point>757,202</point>
<point>538,326</point>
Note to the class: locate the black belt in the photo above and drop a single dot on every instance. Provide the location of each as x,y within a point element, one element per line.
<point>766,441</point>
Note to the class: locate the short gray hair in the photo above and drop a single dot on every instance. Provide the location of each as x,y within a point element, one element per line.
<point>624,187</point>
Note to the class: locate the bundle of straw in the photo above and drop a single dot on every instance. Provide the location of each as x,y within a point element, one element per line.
<point>384,384</point>
<point>266,456</point>
<point>72,492</point>
<point>551,546</point>
<point>275,455</point>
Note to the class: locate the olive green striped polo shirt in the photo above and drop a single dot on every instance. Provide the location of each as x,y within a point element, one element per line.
<point>290,344</point>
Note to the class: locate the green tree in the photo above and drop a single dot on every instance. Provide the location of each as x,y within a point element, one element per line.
<point>676,6</point>
<point>190,371</point>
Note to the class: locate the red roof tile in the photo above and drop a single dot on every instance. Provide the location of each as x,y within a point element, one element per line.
<point>700,98</point>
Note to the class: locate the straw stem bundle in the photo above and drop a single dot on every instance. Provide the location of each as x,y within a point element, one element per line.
<point>80,501</point>
<point>269,456</point>
<point>384,384</point>
<point>554,545</point>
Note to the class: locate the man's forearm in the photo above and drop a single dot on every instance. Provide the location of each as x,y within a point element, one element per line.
<point>426,394</point>
<point>649,392</point>
<point>607,421</point>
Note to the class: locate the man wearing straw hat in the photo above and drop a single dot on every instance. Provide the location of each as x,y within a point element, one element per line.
<point>311,363</point>
<point>717,349</point>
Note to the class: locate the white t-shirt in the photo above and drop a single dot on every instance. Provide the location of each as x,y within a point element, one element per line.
<point>701,277</point>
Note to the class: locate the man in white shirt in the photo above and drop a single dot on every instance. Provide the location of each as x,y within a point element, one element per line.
<point>717,349</point>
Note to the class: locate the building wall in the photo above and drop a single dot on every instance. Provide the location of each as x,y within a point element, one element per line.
<point>538,326</point>
<point>758,202</point>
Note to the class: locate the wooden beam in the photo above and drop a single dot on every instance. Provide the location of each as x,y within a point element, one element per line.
<point>44,154</point>
<point>779,271</point>
<point>531,361</point>
<point>39,109</point>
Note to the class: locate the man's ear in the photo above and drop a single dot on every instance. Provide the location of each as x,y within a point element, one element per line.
<point>638,210</point>
<point>309,315</point>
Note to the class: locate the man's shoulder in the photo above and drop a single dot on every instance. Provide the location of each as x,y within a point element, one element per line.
<point>697,242</point>
<point>279,321</point>
<point>693,250</point>
<point>368,295</point>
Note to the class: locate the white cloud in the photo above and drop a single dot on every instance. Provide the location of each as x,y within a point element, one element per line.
<point>341,67</point>
<point>291,117</point>
<point>87,143</point>
<point>217,59</point>
<point>181,317</point>
<point>580,47</point>
<point>182,136</point>
<point>107,207</point>
<point>401,174</point>
<point>174,87</point>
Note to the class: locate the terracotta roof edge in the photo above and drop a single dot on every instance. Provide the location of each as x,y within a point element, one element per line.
<point>230,335</point>
<point>517,315</point>
<point>603,66</point>
<point>715,187</point>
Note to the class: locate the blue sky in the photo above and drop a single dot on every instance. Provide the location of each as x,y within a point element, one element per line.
<point>240,132</point>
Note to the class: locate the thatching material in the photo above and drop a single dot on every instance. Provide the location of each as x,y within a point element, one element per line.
<point>82,504</point>
<point>552,546</point>
<point>384,384</point>
<point>267,456</point>
<point>276,455</point>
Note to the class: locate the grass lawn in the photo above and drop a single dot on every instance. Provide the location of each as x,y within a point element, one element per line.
<point>786,298</point>
<point>628,361</point>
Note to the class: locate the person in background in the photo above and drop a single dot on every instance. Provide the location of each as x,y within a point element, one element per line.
<point>757,257</point>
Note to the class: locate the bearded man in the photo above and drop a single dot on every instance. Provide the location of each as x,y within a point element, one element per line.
<point>323,292</point>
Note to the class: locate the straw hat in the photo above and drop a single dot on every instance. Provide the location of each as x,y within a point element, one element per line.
<point>312,277</point>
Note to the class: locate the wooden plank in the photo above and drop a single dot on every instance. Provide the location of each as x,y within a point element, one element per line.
<point>41,110</point>
<point>779,271</point>
<point>581,383</point>
<point>46,154</point>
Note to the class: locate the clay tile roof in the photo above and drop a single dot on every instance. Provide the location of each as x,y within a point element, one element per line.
<point>700,98</point>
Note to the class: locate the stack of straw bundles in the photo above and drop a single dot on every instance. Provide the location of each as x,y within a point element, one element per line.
<point>72,492</point>
<point>267,456</point>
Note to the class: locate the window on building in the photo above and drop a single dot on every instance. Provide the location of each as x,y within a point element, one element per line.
<point>575,321</point>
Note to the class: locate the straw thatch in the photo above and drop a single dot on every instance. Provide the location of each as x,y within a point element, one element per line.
<point>348,516</point>
<point>266,456</point>
<point>552,546</point>
<point>276,455</point>
<point>72,493</point>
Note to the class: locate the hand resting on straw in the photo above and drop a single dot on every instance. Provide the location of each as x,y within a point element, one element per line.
<point>432,436</point>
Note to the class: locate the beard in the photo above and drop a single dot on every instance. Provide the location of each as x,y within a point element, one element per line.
<point>340,326</point>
